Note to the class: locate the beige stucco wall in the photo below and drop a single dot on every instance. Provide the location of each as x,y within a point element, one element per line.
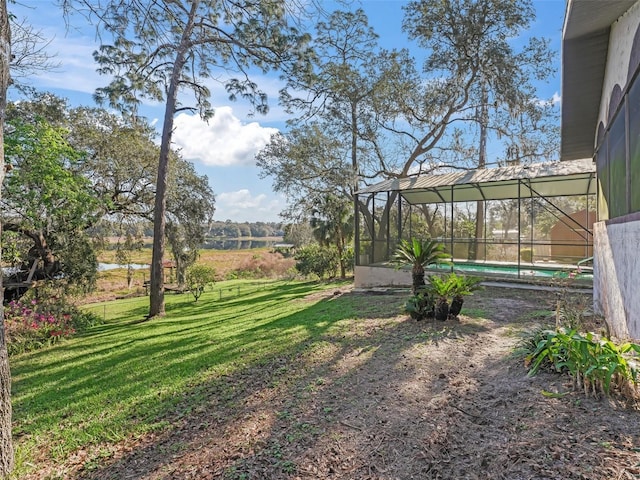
<point>615,246</point>
<point>620,42</point>
<point>369,277</point>
<point>616,266</point>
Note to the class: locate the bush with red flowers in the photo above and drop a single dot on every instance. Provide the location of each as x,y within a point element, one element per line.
<point>30,325</point>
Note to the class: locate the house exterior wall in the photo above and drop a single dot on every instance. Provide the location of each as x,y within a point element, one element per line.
<point>617,276</point>
<point>620,43</point>
<point>616,259</point>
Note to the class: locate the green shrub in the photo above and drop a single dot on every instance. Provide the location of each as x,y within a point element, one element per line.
<point>526,254</point>
<point>596,365</point>
<point>198,277</point>
<point>315,260</point>
<point>442,297</point>
<point>348,258</point>
<point>31,324</point>
<point>421,305</point>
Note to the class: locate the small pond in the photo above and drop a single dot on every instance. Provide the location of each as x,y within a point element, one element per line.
<point>103,267</point>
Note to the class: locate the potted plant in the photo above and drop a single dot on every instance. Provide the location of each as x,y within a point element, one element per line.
<point>461,285</point>
<point>441,288</point>
<point>419,254</point>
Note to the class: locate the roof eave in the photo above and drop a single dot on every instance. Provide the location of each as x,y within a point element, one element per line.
<point>585,47</point>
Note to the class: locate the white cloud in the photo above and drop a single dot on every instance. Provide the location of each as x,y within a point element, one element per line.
<point>77,69</point>
<point>242,206</point>
<point>556,99</point>
<point>223,141</point>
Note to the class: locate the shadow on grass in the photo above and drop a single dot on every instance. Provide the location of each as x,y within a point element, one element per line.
<point>373,397</point>
<point>123,378</point>
<point>191,377</point>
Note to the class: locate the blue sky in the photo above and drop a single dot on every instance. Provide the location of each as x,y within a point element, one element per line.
<point>224,148</point>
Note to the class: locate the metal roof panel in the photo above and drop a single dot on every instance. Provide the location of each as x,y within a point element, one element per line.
<point>547,179</point>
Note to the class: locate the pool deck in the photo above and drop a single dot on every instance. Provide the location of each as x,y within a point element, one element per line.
<point>536,286</point>
<point>547,276</point>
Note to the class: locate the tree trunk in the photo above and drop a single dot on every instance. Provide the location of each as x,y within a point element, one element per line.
<point>129,277</point>
<point>6,446</point>
<point>482,163</point>
<point>340,247</point>
<point>456,305</point>
<point>156,292</point>
<point>181,274</point>
<point>430,218</point>
<point>417,278</point>
<point>356,182</point>
<point>442,309</point>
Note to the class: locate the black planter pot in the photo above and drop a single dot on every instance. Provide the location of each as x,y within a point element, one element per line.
<point>456,306</point>
<point>431,313</point>
<point>442,310</point>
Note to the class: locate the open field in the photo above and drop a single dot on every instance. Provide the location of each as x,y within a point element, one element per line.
<point>112,283</point>
<point>294,380</point>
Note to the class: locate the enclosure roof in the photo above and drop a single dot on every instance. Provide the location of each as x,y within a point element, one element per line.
<point>550,179</point>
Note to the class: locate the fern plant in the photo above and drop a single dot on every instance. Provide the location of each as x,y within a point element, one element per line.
<point>421,305</point>
<point>441,288</point>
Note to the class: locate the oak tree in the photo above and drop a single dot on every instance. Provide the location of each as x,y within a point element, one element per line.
<point>74,169</point>
<point>488,79</point>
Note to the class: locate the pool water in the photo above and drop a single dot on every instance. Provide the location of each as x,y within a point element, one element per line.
<point>512,270</point>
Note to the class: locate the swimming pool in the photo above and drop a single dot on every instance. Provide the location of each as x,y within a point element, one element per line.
<point>526,271</point>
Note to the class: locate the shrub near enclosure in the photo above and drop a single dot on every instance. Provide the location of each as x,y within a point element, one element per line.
<point>314,260</point>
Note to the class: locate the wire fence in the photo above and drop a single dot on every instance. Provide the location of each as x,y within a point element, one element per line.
<point>219,294</point>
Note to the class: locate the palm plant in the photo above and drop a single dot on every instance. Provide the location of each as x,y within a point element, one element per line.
<point>441,288</point>
<point>419,254</point>
<point>461,285</point>
<point>421,305</point>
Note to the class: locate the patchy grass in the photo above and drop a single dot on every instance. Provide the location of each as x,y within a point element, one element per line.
<point>306,381</point>
<point>123,378</point>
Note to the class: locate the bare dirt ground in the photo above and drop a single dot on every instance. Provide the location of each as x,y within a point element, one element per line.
<point>387,398</point>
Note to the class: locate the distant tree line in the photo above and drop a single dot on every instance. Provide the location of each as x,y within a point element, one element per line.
<point>231,229</point>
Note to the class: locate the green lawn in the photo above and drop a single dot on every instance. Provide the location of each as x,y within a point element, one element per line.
<point>126,377</point>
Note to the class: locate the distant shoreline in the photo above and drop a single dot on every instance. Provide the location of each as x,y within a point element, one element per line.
<point>149,240</point>
<point>259,239</point>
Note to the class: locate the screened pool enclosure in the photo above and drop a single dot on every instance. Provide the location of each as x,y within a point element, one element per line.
<point>521,221</point>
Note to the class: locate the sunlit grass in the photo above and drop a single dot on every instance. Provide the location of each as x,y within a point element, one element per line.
<point>122,378</point>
